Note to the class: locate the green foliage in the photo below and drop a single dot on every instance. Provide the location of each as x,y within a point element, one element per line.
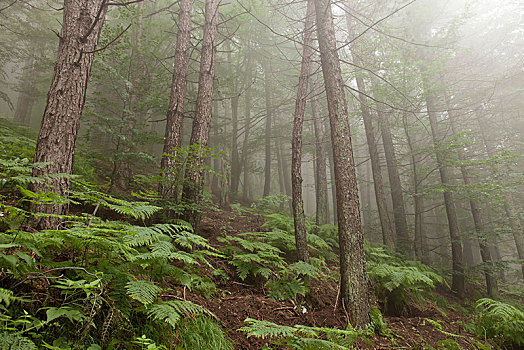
<point>15,342</point>
<point>500,321</point>
<point>399,280</point>
<point>202,333</point>
<point>303,337</point>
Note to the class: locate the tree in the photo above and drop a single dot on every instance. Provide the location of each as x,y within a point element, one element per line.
<point>387,230</point>
<point>82,24</point>
<point>296,142</point>
<point>175,112</point>
<point>353,276</point>
<point>192,190</point>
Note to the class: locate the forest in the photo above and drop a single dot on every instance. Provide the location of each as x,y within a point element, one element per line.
<point>250,174</point>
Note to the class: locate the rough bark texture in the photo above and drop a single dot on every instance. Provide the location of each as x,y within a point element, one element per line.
<point>353,276</point>
<point>81,27</point>
<point>192,191</point>
<point>457,283</point>
<point>296,142</point>
<point>397,197</point>
<point>175,112</point>
<point>25,100</point>
<point>267,135</point>
<point>491,281</point>
<point>321,189</point>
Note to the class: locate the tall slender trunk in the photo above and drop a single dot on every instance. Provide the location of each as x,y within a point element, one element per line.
<point>397,197</point>
<point>296,142</point>
<point>321,190</point>
<point>267,132</point>
<point>81,27</point>
<point>353,275</point>
<point>457,283</point>
<point>508,205</point>
<point>387,229</point>
<point>421,248</point>
<point>491,280</point>
<point>285,169</point>
<point>175,111</point>
<point>332,180</point>
<point>192,191</point>
<point>247,129</point>
<point>235,157</point>
<point>25,100</point>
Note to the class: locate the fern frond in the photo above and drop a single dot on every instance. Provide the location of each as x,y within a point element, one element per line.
<point>143,291</point>
<point>266,329</point>
<point>172,311</point>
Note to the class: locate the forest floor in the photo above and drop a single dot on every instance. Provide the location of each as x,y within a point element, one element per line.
<point>237,300</point>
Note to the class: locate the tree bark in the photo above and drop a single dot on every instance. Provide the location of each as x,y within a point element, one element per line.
<point>491,280</point>
<point>247,129</point>
<point>81,27</point>
<point>192,190</point>
<point>321,189</point>
<point>296,142</point>
<point>26,100</point>
<point>353,276</point>
<point>235,157</point>
<point>267,135</point>
<point>397,197</point>
<point>457,283</point>
<point>175,112</point>
<point>387,229</point>
<point>421,248</point>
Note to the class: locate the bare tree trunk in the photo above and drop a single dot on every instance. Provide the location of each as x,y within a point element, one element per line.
<point>235,157</point>
<point>513,220</point>
<point>286,171</point>
<point>387,230</point>
<point>296,142</point>
<point>192,191</point>
<point>25,100</point>
<point>421,248</point>
<point>457,283</point>
<point>321,190</point>
<point>175,112</point>
<point>267,136</point>
<point>397,197</point>
<point>491,280</point>
<point>332,179</point>
<point>81,27</point>
<point>247,129</point>
<point>353,276</point>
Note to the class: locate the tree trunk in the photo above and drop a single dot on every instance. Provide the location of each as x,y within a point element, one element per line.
<point>175,112</point>
<point>491,280</point>
<point>247,129</point>
<point>397,197</point>
<point>296,142</point>
<point>25,101</point>
<point>235,157</point>
<point>81,27</point>
<point>353,276</point>
<point>457,284</point>
<point>421,248</point>
<point>267,135</point>
<point>321,189</point>
<point>192,191</point>
<point>513,220</point>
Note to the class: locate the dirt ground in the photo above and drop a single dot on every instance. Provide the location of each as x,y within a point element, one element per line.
<point>236,301</point>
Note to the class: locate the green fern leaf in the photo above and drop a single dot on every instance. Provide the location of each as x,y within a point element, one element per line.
<point>143,291</point>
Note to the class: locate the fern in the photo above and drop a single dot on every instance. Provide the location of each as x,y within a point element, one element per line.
<point>171,312</point>
<point>143,291</point>
<point>501,321</point>
<point>303,337</point>
<point>15,341</point>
